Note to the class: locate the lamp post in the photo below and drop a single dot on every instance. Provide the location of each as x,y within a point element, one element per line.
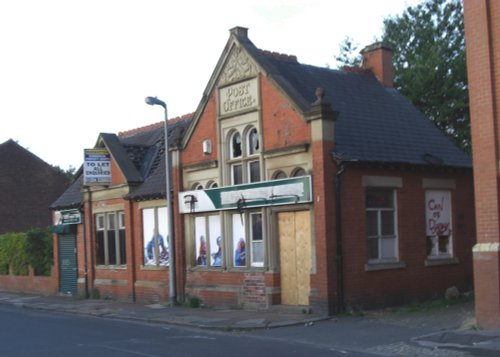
<point>170,215</point>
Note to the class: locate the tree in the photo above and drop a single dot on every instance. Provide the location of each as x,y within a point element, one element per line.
<point>428,45</point>
<point>348,53</point>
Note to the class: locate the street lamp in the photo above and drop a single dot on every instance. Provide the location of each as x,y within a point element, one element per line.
<point>170,212</point>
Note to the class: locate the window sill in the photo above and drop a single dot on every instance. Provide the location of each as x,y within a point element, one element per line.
<point>154,267</point>
<point>111,267</point>
<point>437,261</point>
<point>384,266</point>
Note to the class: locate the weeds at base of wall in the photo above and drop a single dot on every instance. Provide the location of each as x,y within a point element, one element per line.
<point>192,301</point>
<point>95,294</point>
<point>436,304</point>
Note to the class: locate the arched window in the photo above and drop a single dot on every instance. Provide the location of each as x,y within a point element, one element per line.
<point>244,159</point>
<point>253,142</point>
<point>212,184</point>
<point>298,172</point>
<point>278,175</point>
<point>197,186</point>
<point>235,150</point>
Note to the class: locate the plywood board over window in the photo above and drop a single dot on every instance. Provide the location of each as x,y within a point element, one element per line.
<point>295,257</point>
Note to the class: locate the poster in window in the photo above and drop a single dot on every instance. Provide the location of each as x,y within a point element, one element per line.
<point>154,223</point>
<point>438,213</point>
<point>239,244</point>
<point>200,241</point>
<point>215,241</point>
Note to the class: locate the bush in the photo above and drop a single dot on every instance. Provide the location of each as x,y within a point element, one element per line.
<point>13,253</point>
<point>20,250</point>
<point>39,251</point>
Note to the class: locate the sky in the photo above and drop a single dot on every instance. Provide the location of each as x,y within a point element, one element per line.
<point>71,69</point>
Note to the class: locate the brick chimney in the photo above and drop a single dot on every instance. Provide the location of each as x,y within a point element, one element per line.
<point>378,59</point>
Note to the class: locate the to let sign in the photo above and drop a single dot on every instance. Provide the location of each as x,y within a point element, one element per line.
<point>97,167</point>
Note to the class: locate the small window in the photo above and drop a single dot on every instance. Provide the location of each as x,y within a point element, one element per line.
<point>254,168</point>
<point>235,145</point>
<point>253,142</point>
<point>212,184</point>
<point>100,222</point>
<point>121,220</point>
<point>299,172</point>
<point>236,174</point>
<point>279,175</point>
<point>197,186</point>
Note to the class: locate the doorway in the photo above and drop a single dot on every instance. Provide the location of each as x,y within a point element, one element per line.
<point>295,256</point>
<point>68,274</point>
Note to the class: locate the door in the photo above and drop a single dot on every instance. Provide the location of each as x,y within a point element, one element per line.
<point>295,256</point>
<point>67,264</point>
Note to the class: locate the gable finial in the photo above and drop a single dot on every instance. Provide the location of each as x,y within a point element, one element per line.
<point>320,94</point>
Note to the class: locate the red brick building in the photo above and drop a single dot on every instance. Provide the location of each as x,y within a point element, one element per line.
<point>482,34</point>
<point>293,185</point>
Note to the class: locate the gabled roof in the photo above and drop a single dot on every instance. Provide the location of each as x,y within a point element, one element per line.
<point>26,179</point>
<point>375,124</point>
<point>140,155</point>
<point>121,158</point>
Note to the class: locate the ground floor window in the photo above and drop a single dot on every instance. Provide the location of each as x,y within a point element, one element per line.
<point>155,236</point>
<point>110,238</point>
<point>438,223</point>
<point>208,241</point>
<point>247,232</point>
<point>381,225</point>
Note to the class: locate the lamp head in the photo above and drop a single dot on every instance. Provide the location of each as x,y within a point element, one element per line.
<point>155,101</point>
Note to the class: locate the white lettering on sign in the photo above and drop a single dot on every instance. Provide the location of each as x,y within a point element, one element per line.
<point>97,167</point>
<point>238,97</point>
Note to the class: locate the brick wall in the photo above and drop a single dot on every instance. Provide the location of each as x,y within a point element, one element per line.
<point>415,280</point>
<point>45,285</point>
<point>482,32</point>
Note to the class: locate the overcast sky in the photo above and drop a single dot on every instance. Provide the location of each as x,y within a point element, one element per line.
<point>72,69</point>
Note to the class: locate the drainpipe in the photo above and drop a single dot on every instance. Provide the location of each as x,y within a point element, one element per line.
<point>338,233</point>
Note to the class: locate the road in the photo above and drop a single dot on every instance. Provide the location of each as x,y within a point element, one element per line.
<point>26,332</point>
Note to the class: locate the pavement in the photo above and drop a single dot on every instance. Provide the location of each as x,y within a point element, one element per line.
<point>444,331</point>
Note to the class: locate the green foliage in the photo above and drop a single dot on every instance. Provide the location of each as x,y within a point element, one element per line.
<point>39,251</point>
<point>20,250</point>
<point>436,304</point>
<point>429,63</point>
<point>13,253</point>
<point>192,301</point>
<point>70,172</point>
<point>348,54</point>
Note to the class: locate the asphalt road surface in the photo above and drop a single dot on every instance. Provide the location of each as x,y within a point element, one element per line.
<point>25,332</point>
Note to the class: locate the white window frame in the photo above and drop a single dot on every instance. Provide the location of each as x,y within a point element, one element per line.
<point>245,159</point>
<point>379,236</point>
<point>246,231</point>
